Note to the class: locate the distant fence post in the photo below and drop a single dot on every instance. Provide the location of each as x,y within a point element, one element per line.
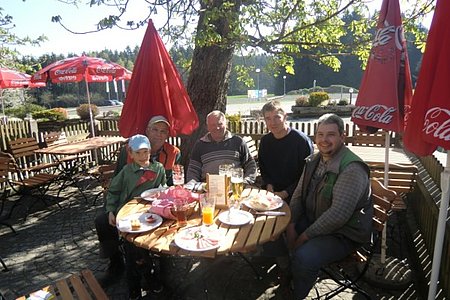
<point>32,125</point>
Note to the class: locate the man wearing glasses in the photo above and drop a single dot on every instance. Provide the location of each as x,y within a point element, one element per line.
<point>157,132</point>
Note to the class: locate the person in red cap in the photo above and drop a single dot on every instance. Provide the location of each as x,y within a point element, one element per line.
<point>157,132</point>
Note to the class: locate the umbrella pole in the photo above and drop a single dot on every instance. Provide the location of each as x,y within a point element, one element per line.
<point>91,117</point>
<point>440,232</point>
<point>387,145</point>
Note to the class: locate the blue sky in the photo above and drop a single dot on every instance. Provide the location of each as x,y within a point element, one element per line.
<point>33,18</point>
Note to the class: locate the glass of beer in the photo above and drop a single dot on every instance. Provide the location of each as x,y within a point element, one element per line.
<point>178,175</point>
<point>180,211</point>
<point>237,183</point>
<point>225,169</point>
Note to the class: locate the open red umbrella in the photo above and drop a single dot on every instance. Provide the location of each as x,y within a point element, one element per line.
<point>76,69</point>
<point>386,91</point>
<point>428,125</point>
<point>12,79</point>
<point>156,89</point>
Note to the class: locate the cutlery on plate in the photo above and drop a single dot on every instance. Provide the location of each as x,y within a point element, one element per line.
<point>270,213</point>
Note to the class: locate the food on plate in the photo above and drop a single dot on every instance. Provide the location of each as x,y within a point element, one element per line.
<point>197,239</point>
<point>261,202</point>
<point>135,224</point>
<point>150,219</point>
<point>151,195</point>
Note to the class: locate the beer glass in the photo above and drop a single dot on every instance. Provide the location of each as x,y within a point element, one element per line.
<point>237,183</point>
<point>178,175</point>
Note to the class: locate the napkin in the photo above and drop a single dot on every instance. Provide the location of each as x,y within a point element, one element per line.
<point>124,224</point>
<point>194,186</point>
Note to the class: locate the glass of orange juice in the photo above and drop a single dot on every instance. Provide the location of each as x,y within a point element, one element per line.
<point>208,204</point>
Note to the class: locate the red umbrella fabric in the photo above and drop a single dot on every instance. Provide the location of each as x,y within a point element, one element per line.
<point>156,89</point>
<point>76,69</point>
<point>429,122</point>
<point>428,125</point>
<point>10,79</point>
<point>386,91</point>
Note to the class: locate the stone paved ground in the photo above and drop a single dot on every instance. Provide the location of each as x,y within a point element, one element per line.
<point>53,243</point>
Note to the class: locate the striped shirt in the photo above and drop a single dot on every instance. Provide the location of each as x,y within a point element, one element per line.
<point>208,154</point>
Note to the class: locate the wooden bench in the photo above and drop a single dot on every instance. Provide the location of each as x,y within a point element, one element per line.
<point>77,286</point>
<point>376,139</point>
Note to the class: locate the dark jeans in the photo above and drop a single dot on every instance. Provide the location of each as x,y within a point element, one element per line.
<point>108,237</point>
<point>313,254</point>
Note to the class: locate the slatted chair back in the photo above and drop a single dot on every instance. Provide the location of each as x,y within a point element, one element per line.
<point>402,179</point>
<point>376,139</point>
<point>55,138</point>
<point>104,173</point>
<point>251,144</point>
<point>82,285</point>
<point>22,149</point>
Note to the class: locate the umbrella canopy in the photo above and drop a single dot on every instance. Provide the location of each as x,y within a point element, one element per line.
<point>386,91</point>
<point>428,125</point>
<point>12,79</point>
<point>156,89</point>
<point>76,69</point>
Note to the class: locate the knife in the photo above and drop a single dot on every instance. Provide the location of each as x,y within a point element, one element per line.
<point>271,213</point>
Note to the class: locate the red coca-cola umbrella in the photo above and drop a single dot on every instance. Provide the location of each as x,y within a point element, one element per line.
<point>156,88</point>
<point>386,90</point>
<point>76,69</point>
<point>12,79</point>
<point>429,122</point>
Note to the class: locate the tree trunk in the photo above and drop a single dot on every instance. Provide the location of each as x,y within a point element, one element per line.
<point>209,76</point>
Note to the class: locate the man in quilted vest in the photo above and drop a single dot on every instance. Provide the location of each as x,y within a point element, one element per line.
<point>331,206</point>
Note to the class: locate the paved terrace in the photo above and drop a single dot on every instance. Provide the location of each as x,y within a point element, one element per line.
<point>53,243</point>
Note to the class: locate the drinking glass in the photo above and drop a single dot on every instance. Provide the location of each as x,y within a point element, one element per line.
<point>225,169</point>
<point>180,209</point>
<point>178,175</point>
<point>237,183</point>
<point>208,204</point>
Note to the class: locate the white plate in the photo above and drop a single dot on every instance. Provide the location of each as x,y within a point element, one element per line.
<point>124,224</point>
<point>236,217</point>
<point>275,203</point>
<point>189,238</point>
<point>152,194</point>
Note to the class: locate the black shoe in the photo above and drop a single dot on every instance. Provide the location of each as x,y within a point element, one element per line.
<point>113,273</point>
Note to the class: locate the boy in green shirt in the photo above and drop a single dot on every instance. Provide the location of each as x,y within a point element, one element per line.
<point>139,175</point>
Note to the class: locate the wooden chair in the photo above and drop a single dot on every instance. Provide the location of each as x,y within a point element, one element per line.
<point>4,176</point>
<point>34,185</point>
<point>22,149</point>
<point>104,174</point>
<point>402,179</point>
<point>382,199</point>
<point>83,285</point>
<point>376,139</point>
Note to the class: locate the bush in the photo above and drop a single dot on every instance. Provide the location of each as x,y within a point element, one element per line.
<point>343,102</point>
<point>233,118</point>
<point>50,115</point>
<point>316,98</point>
<point>302,101</point>
<point>23,110</point>
<point>83,111</point>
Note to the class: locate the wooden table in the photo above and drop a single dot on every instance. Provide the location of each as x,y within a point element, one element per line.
<point>82,146</point>
<point>236,239</point>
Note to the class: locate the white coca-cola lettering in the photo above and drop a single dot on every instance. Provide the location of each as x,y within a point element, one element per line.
<point>67,78</point>
<point>386,33</point>
<point>72,70</point>
<point>375,113</point>
<point>437,123</point>
<point>100,78</point>
<point>107,70</point>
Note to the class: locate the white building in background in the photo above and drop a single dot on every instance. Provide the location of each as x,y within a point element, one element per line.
<point>253,94</point>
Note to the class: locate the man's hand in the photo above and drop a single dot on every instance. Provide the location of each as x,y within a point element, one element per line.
<point>112,219</point>
<point>301,240</point>
<point>283,194</point>
<point>269,188</point>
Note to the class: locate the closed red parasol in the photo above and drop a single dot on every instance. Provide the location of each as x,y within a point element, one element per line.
<point>429,122</point>
<point>156,89</point>
<point>386,90</point>
<point>76,69</point>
